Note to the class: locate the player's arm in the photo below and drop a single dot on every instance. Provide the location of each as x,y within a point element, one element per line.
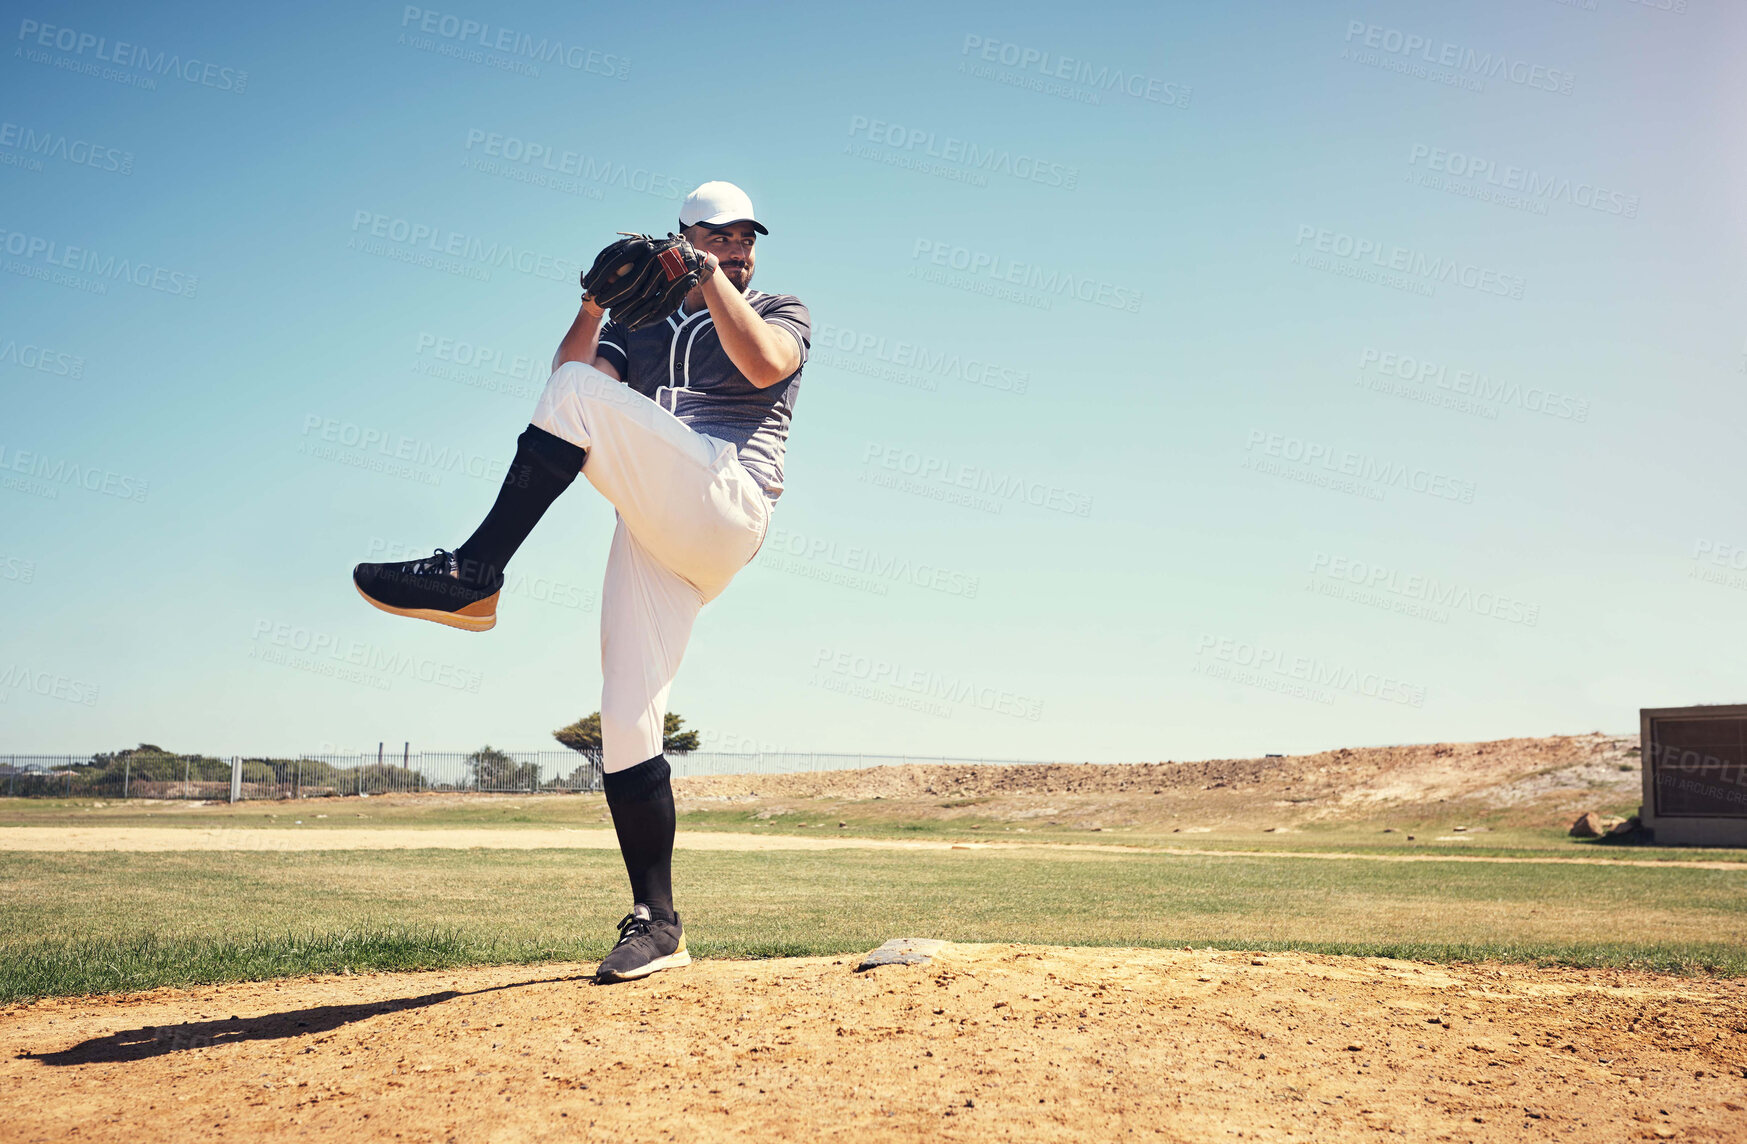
<point>760,351</point>
<point>583,339</point>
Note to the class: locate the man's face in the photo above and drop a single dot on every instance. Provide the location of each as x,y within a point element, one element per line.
<point>732,246</point>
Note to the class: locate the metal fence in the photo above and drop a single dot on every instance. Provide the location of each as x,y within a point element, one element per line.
<point>307,776</point>
<point>206,777</point>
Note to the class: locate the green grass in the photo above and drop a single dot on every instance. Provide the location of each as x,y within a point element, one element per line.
<point>109,965</point>
<point>1505,841</point>
<point>77,923</point>
<point>863,819</point>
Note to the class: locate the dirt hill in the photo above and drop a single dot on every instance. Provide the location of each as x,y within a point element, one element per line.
<point>1508,780</point>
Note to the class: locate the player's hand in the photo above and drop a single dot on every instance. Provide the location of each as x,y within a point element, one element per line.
<point>709,268</point>
<point>592,308</point>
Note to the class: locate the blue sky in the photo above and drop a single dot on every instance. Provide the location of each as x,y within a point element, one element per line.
<point>1188,380</point>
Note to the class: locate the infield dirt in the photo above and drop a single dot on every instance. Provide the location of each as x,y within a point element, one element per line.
<point>990,1042</point>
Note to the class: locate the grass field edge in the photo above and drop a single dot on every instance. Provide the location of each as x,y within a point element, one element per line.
<point>93,967</point>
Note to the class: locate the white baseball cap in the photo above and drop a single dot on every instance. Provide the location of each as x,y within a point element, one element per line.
<point>718,204</point>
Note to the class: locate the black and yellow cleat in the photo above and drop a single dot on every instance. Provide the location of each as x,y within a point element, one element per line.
<point>647,944</point>
<point>431,589</point>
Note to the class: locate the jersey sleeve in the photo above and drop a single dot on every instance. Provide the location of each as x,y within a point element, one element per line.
<point>790,313</point>
<point>612,347</point>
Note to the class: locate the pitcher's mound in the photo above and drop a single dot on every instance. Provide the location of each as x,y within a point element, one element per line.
<point>986,1042</point>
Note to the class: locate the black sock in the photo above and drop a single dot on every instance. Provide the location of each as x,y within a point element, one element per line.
<point>544,467</point>
<point>641,799</point>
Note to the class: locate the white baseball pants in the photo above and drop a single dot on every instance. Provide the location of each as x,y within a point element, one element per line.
<point>689,518</point>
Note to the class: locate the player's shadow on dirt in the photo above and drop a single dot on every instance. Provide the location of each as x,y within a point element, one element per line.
<point>157,1040</point>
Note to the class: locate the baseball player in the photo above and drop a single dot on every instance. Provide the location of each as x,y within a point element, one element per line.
<point>680,420</point>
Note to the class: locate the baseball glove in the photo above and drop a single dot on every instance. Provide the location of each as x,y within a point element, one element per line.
<point>643,279</point>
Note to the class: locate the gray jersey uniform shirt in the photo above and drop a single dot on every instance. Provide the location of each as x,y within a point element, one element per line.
<point>680,365</point>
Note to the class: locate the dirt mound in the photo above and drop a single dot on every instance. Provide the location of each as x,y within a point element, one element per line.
<point>1350,773</point>
<point>1546,774</point>
<point>987,1043</point>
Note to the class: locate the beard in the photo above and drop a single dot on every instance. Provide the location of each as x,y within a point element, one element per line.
<point>739,277</point>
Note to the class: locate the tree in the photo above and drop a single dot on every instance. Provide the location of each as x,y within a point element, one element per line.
<point>673,740</point>
<point>151,763</point>
<point>495,770</point>
<point>585,735</point>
